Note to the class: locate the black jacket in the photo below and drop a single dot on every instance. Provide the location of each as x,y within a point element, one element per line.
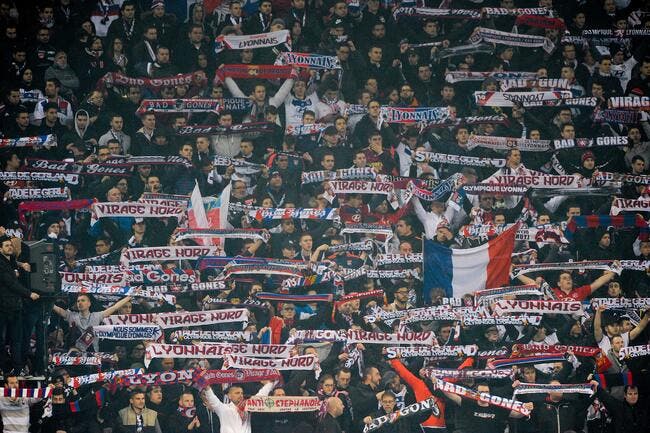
<point>567,414</point>
<point>627,418</point>
<point>364,403</point>
<point>11,291</point>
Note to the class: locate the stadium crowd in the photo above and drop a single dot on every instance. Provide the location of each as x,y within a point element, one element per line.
<point>325,216</point>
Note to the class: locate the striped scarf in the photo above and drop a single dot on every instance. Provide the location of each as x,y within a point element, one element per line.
<point>620,221</point>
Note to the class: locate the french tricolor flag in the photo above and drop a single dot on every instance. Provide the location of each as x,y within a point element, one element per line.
<point>462,271</point>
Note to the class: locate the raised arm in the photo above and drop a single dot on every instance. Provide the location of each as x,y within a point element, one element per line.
<point>211,401</point>
<point>233,88</point>
<point>638,329</point>
<point>523,278</point>
<point>116,306</point>
<point>514,414</point>
<point>598,321</point>
<point>427,219</point>
<point>602,280</point>
<point>266,389</point>
<point>278,99</point>
<point>60,311</point>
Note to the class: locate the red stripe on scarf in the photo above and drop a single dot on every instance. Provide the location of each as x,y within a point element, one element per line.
<point>276,324</point>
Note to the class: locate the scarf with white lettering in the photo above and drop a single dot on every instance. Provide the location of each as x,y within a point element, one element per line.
<point>458,121</point>
<point>214,350</point>
<point>358,187</point>
<point>261,214</point>
<point>539,180</point>
<point>430,404</point>
<point>223,233</point>
<point>590,101</point>
<point>150,160</point>
<point>634,351</point>
<point>618,33</point>
<point>248,303</point>
<point>537,306</point>
<point>203,378</point>
<point>186,335</point>
<point>124,332</point>
<point>535,349</point>
<point>38,193</point>
<point>133,209</point>
<point>43,176</point>
<point>544,83</point>
<point>544,388</point>
<point>590,142</point>
<point>492,12</point>
<point>604,265</point>
<point>617,116</point>
<point>354,246</point>
<point>308,129</point>
<point>108,376</point>
<point>483,34</point>
<point>621,303</point>
<point>118,79</point>
<point>637,179</point>
<point>486,98</point>
<point>179,106</point>
<point>443,373</point>
<point>112,167</point>
<point>472,14</point>
<point>507,143</point>
<point>456,76</point>
<point>267,404</point>
<point>365,337</point>
<point>108,290</point>
<point>390,259</point>
<point>517,319</point>
<point>423,156</point>
<point>642,102</point>
<point>376,229</point>
<point>548,233</point>
<point>494,188</point>
<point>342,174</point>
<point>242,128</point>
<point>413,114</point>
<point>119,279</point>
<point>308,60</point>
<point>47,141</point>
<point>304,362</point>
<point>431,351</point>
<point>630,205</point>
<point>134,255</point>
<point>486,295</point>
<point>164,199</point>
<point>180,319</point>
<point>317,335</point>
<point>381,274</point>
<point>484,397</point>
<point>438,312</point>
<point>260,40</point>
<point>65,359</point>
<point>445,187</point>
